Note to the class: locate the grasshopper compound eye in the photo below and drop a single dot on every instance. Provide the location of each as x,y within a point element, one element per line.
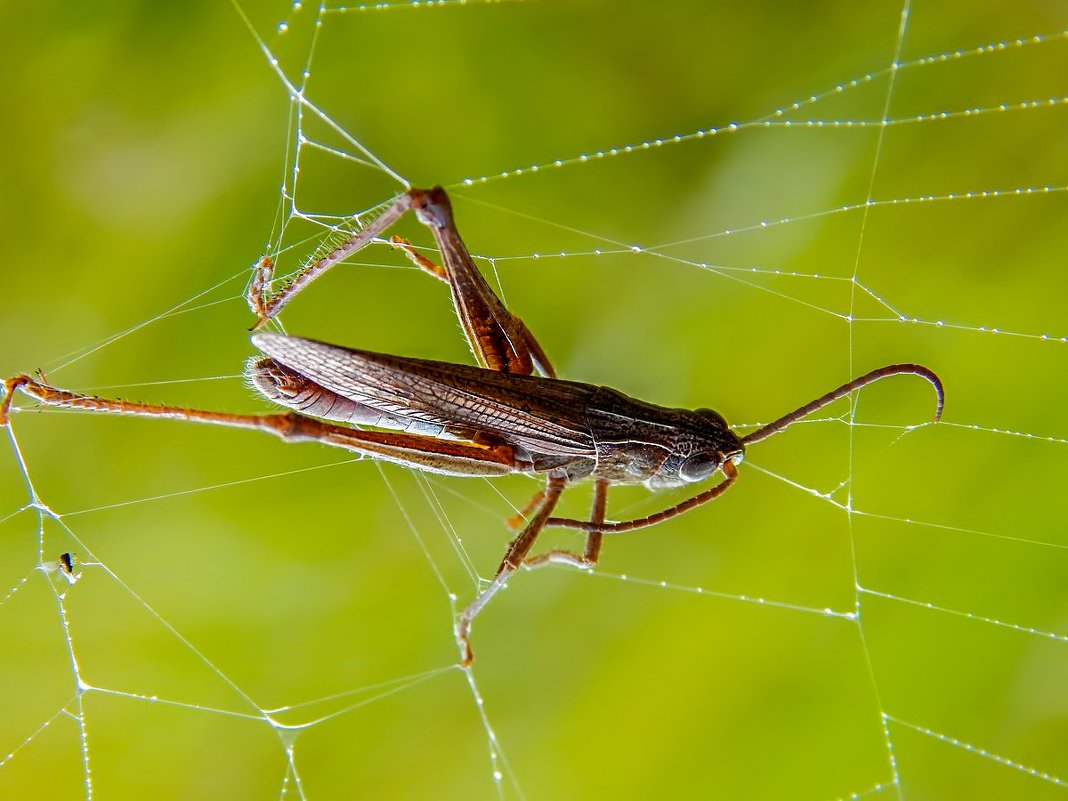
<point>700,466</point>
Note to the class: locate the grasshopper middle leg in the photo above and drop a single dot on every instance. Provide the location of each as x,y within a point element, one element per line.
<point>513,559</point>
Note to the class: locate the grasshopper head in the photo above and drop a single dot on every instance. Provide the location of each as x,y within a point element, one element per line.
<point>703,445</point>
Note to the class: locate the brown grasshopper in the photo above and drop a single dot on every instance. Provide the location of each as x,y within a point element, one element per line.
<point>490,420</point>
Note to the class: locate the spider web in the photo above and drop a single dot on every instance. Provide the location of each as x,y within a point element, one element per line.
<point>699,205</point>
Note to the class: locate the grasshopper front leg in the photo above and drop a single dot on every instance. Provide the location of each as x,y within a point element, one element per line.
<point>592,552</point>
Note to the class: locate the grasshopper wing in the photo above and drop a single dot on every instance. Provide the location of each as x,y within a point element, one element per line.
<point>545,416</point>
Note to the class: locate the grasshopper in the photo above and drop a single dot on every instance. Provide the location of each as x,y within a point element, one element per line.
<point>510,414</point>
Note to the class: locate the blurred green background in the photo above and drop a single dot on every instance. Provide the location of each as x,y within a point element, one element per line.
<point>146,143</point>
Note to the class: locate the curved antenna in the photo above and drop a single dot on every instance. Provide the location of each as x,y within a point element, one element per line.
<point>845,389</point>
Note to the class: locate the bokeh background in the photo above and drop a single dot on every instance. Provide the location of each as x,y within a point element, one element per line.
<point>145,146</point>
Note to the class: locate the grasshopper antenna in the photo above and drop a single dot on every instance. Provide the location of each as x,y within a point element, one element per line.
<point>845,389</point>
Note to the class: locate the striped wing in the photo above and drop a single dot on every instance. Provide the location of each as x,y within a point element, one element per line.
<point>544,415</point>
